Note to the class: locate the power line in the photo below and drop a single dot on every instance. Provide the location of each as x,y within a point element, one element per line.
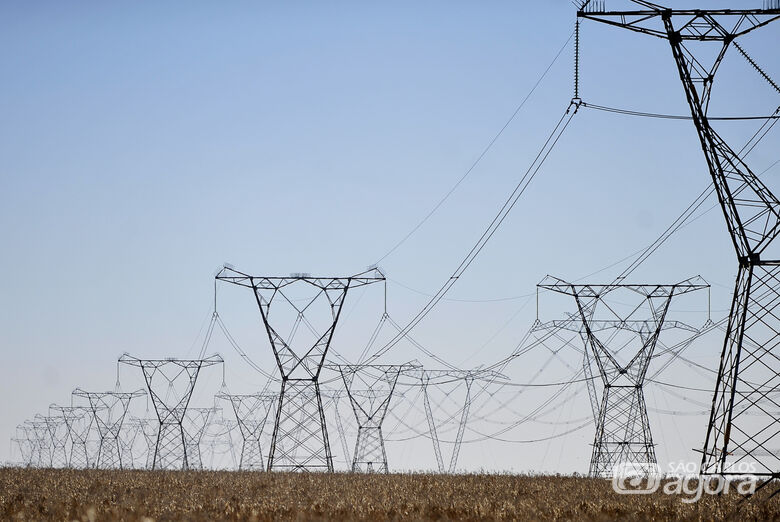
<point>479,158</point>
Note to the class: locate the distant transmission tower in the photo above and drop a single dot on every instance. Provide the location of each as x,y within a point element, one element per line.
<point>744,426</point>
<point>42,441</point>
<point>452,379</point>
<point>58,434</point>
<point>129,441</point>
<point>196,422</point>
<point>251,413</point>
<point>170,383</point>
<point>623,429</point>
<point>370,389</point>
<point>26,443</point>
<point>78,421</point>
<point>108,413</point>
<point>300,436</point>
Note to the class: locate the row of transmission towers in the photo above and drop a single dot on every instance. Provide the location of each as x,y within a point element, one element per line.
<point>618,344</point>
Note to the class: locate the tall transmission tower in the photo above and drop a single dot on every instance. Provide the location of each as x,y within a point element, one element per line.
<point>251,413</point>
<point>370,389</point>
<point>108,413</point>
<point>623,433</point>
<point>300,436</point>
<point>170,383</point>
<point>744,426</point>
<point>78,422</point>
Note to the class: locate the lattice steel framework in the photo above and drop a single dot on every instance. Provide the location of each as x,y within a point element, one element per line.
<point>196,422</point>
<point>623,429</point>
<point>108,413</point>
<point>170,383</point>
<point>251,411</point>
<point>744,426</point>
<point>78,422</point>
<point>149,428</point>
<point>58,435</point>
<point>42,441</point>
<point>300,436</point>
<point>28,444</point>
<point>370,389</point>
<point>23,443</point>
<point>132,456</point>
<point>429,378</point>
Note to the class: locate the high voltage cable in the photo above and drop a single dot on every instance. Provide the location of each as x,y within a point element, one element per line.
<point>628,112</point>
<point>479,158</point>
<point>520,188</point>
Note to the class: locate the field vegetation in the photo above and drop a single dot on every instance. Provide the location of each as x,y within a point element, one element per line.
<point>90,495</point>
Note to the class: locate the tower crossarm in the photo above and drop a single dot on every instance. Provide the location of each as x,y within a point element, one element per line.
<point>694,24</point>
<point>752,212</point>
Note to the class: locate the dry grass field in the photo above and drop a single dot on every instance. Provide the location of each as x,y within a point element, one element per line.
<point>37,494</point>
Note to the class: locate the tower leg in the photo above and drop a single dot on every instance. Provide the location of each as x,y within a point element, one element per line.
<point>744,429</point>
<point>170,451</point>
<point>623,433</point>
<point>300,438</point>
<point>370,452</point>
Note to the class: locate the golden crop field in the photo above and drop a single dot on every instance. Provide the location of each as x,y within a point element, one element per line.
<point>89,495</point>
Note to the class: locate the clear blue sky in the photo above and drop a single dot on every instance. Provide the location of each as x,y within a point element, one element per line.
<point>143,145</point>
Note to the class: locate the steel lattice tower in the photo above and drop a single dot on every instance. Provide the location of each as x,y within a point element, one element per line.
<point>300,436</point>
<point>370,400</point>
<point>131,429</point>
<point>251,413</point>
<point>78,420</point>
<point>25,438</point>
<point>744,426</point>
<point>429,378</point>
<point>623,433</point>
<point>171,383</point>
<point>58,434</point>
<point>196,422</point>
<point>108,413</point>
<point>41,440</point>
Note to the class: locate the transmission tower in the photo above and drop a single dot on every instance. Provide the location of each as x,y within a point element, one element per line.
<point>170,383</point>
<point>623,429</point>
<point>744,426</point>
<point>196,422</point>
<point>251,413</point>
<point>25,438</point>
<point>452,379</point>
<point>42,442</point>
<point>129,442</point>
<point>148,428</point>
<point>78,422</point>
<point>58,434</point>
<point>300,436</point>
<point>108,413</point>
<point>370,389</point>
